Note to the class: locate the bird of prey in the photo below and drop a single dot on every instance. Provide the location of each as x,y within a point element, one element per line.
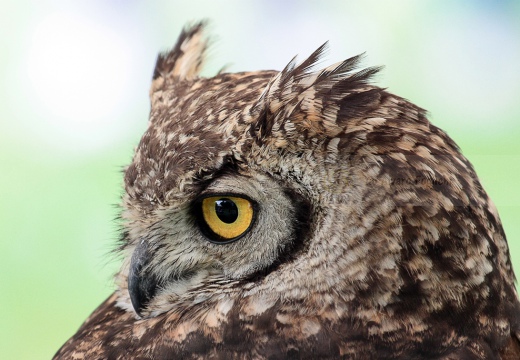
<point>300,214</point>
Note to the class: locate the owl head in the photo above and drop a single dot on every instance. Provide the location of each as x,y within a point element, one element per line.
<point>312,199</point>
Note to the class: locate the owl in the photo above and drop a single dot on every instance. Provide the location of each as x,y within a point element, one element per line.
<point>300,214</point>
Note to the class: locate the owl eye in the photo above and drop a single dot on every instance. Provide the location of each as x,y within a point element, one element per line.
<point>226,218</point>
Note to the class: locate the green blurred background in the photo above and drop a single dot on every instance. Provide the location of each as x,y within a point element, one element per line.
<point>73,104</point>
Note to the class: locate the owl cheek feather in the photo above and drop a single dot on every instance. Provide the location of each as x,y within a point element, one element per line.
<point>142,284</point>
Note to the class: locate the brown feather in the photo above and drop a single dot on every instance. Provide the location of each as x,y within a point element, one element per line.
<point>373,237</point>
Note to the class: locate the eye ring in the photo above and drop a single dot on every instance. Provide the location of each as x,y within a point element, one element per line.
<point>225,218</point>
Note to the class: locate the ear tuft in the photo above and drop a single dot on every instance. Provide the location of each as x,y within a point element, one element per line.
<point>315,101</point>
<point>185,60</point>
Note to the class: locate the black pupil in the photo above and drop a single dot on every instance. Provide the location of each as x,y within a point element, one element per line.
<point>226,210</point>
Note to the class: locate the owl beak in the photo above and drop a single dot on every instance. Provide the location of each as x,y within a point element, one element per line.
<point>142,284</point>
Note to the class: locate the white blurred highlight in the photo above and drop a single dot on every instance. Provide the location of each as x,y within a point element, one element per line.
<point>79,72</point>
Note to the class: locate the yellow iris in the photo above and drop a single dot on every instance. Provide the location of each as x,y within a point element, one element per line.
<point>228,217</point>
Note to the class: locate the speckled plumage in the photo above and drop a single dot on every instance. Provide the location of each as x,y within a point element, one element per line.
<point>374,238</point>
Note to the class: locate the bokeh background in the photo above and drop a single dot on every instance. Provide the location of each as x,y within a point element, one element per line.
<point>74,79</point>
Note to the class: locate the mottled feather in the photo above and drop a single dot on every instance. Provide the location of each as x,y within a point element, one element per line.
<point>374,238</point>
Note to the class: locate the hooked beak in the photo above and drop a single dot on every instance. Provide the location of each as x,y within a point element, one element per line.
<point>142,284</point>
